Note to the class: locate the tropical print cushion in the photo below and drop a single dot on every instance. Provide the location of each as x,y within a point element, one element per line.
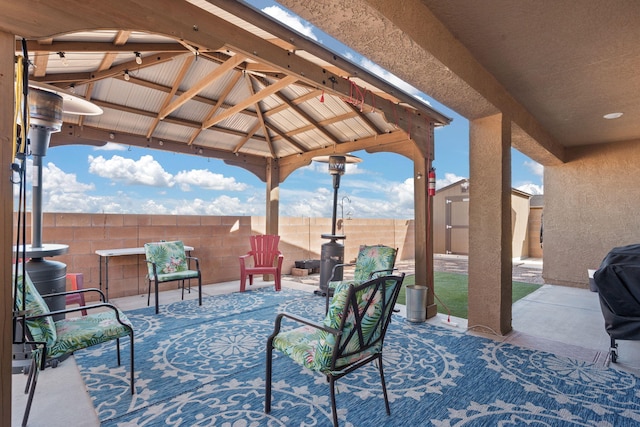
<point>369,314</point>
<point>370,259</point>
<point>169,258</point>
<point>313,348</point>
<point>75,333</point>
<point>189,274</point>
<point>42,329</point>
<point>70,334</point>
<point>307,346</point>
<point>373,258</point>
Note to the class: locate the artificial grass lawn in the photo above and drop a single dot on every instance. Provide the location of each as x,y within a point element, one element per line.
<point>452,291</point>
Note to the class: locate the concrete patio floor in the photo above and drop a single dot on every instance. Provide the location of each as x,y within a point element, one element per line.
<point>561,320</point>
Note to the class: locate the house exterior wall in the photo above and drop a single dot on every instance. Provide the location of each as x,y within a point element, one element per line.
<point>591,206</point>
<point>218,242</point>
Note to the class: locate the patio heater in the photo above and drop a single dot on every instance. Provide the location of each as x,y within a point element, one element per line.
<point>46,107</point>
<point>45,118</point>
<point>332,252</point>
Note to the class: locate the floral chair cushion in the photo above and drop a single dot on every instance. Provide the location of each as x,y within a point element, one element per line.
<point>313,348</point>
<point>371,259</point>
<point>170,260</point>
<point>67,335</point>
<point>374,258</point>
<point>42,329</point>
<point>75,333</point>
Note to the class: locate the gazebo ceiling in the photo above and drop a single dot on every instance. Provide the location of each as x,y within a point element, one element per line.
<point>249,92</point>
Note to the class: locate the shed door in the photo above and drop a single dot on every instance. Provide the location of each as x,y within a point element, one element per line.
<point>457,225</point>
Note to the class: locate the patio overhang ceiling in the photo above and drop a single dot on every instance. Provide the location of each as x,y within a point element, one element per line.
<point>212,78</point>
<point>554,69</point>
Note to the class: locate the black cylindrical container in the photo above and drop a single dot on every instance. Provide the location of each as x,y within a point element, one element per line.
<point>332,253</point>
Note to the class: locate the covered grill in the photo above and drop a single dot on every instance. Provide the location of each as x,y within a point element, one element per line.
<point>618,283</point>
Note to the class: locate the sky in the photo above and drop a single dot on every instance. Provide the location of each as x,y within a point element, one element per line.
<point>122,179</point>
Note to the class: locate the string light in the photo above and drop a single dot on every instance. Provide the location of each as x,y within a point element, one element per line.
<point>138,58</point>
<point>63,58</point>
<point>126,75</point>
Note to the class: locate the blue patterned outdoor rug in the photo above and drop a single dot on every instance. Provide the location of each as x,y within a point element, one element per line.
<point>205,366</point>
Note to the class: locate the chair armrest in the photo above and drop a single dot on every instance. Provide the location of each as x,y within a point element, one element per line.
<point>304,321</point>
<point>333,270</point>
<point>155,271</point>
<point>196,260</point>
<point>386,270</point>
<point>244,258</point>
<point>73,310</point>
<point>76,292</point>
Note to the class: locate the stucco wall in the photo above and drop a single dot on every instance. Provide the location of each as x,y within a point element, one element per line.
<point>591,205</point>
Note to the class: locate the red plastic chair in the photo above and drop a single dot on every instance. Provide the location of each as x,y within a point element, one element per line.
<point>77,283</point>
<point>264,258</point>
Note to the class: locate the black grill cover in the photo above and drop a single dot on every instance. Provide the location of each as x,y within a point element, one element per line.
<point>618,283</point>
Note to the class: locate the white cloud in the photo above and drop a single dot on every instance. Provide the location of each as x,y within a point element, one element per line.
<point>402,193</point>
<point>535,167</point>
<point>69,202</point>
<point>225,205</point>
<point>61,191</point>
<point>352,169</point>
<point>306,203</point>
<point>291,20</point>
<point>208,180</point>
<point>110,146</point>
<point>145,171</point>
<point>533,189</point>
<point>55,180</point>
<point>153,207</point>
<point>366,199</point>
<point>449,178</point>
<point>192,207</point>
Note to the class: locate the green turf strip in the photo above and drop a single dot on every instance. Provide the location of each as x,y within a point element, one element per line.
<point>452,292</point>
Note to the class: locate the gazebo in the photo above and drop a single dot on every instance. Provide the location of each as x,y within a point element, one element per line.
<point>221,81</point>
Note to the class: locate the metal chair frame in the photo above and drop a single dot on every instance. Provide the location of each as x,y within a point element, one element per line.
<point>155,278</point>
<point>351,308</point>
<point>39,348</point>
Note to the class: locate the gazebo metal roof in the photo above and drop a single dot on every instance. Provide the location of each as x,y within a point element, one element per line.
<point>254,90</point>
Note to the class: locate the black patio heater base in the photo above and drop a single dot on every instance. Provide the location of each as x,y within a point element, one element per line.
<point>331,254</point>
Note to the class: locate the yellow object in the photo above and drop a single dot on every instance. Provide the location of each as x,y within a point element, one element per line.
<point>18,114</point>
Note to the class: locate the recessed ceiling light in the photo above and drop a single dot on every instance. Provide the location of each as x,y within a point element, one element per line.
<point>612,116</point>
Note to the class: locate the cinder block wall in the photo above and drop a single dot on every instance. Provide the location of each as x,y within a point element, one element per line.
<point>218,242</point>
